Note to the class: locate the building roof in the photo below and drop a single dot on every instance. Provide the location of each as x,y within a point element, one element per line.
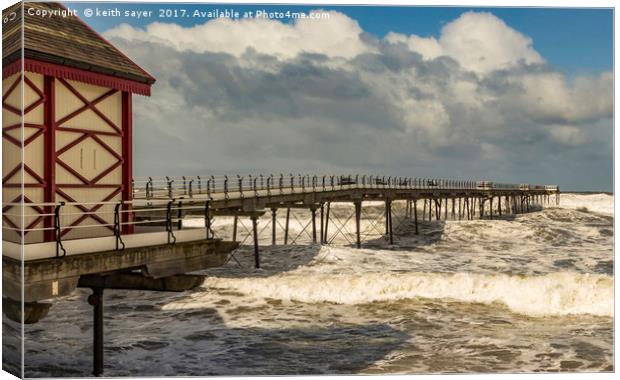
<point>65,41</point>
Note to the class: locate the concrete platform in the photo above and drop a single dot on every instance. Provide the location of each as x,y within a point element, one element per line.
<point>55,277</point>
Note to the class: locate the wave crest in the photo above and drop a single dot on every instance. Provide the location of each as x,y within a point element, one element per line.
<point>556,294</point>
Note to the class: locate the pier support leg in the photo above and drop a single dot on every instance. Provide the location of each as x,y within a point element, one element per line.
<point>358,217</point>
<point>466,204</point>
<point>491,208</point>
<point>322,222</point>
<point>460,209</point>
<point>499,205</point>
<point>388,206</point>
<point>96,301</point>
<point>286,223</point>
<point>313,211</point>
<point>424,210</point>
<point>453,209</point>
<point>329,204</point>
<point>437,209</point>
<point>255,233</point>
<point>273,225</point>
<point>234,237</point>
<point>387,216</point>
<point>430,210</point>
<point>415,216</point>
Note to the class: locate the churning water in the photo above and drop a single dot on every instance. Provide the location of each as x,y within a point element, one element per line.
<point>531,293</point>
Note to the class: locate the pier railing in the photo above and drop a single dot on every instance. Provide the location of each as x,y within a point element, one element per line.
<point>190,186</point>
<point>160,204</point>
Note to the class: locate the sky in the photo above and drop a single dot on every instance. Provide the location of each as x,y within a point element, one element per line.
<point>506,94</point>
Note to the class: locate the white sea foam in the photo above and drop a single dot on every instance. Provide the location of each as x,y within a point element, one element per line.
<point>560,293</point>
<point>599,203</point>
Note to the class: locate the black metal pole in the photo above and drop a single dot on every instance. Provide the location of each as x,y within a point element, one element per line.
<point>358,216</point>
<point>313,211</point>
<point>288,216</point>
<point>415,216</point>
<point>96,300</point>
<point>273,226</point>
<point>329,205</point>
<point>390,221</point>
<point>322,222</point>
<point>255,233</point>
<point>234,237</point>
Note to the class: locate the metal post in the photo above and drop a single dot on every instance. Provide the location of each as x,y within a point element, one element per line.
<point>389,208</point>
<point>453,208</point>
<point>255,233</point>
<point>117,226</point>
<point>273,226</point>
<point>387,217</point>
<point>171,238</point>
<point>234,237</point>
<point>322,222</point>
<point>207,219</point>
<point>499,205</point>
<point>468,208</point>
<point>329,204</point>
<point>96,301</point>
<point>288,217</point>
<point>358,216</point>
<point>415,216</point>
<point>180,215</point>
<point>58,231</point>
<point>313,211</point>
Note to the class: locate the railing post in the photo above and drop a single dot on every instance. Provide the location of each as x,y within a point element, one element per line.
<point>225,187</point>
<point>180,215</point>
<point>199,184</point>
<point>149,188</point>
<point>269,184</point>
<point>191,193</point>
<point>208,220</point>
<point>58,231</point>
<point>171,238</point>
<point>184,186</point>
<point>117,226</point>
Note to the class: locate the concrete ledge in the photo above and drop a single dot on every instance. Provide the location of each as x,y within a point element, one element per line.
<point>55,277</point>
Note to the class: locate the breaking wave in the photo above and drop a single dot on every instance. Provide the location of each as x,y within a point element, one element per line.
<point>553,294</point>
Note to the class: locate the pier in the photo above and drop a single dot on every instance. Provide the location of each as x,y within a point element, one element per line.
<point>76,216</point>
<point>147,246</point>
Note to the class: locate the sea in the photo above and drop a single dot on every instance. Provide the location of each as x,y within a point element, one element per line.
<point>522,293</point>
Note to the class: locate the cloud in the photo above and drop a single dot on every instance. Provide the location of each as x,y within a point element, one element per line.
<point>270,37</point>
<point>480,42</point>
<point>232,96</point>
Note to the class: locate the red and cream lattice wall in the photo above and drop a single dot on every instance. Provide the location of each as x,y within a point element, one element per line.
<point>74,145</point>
